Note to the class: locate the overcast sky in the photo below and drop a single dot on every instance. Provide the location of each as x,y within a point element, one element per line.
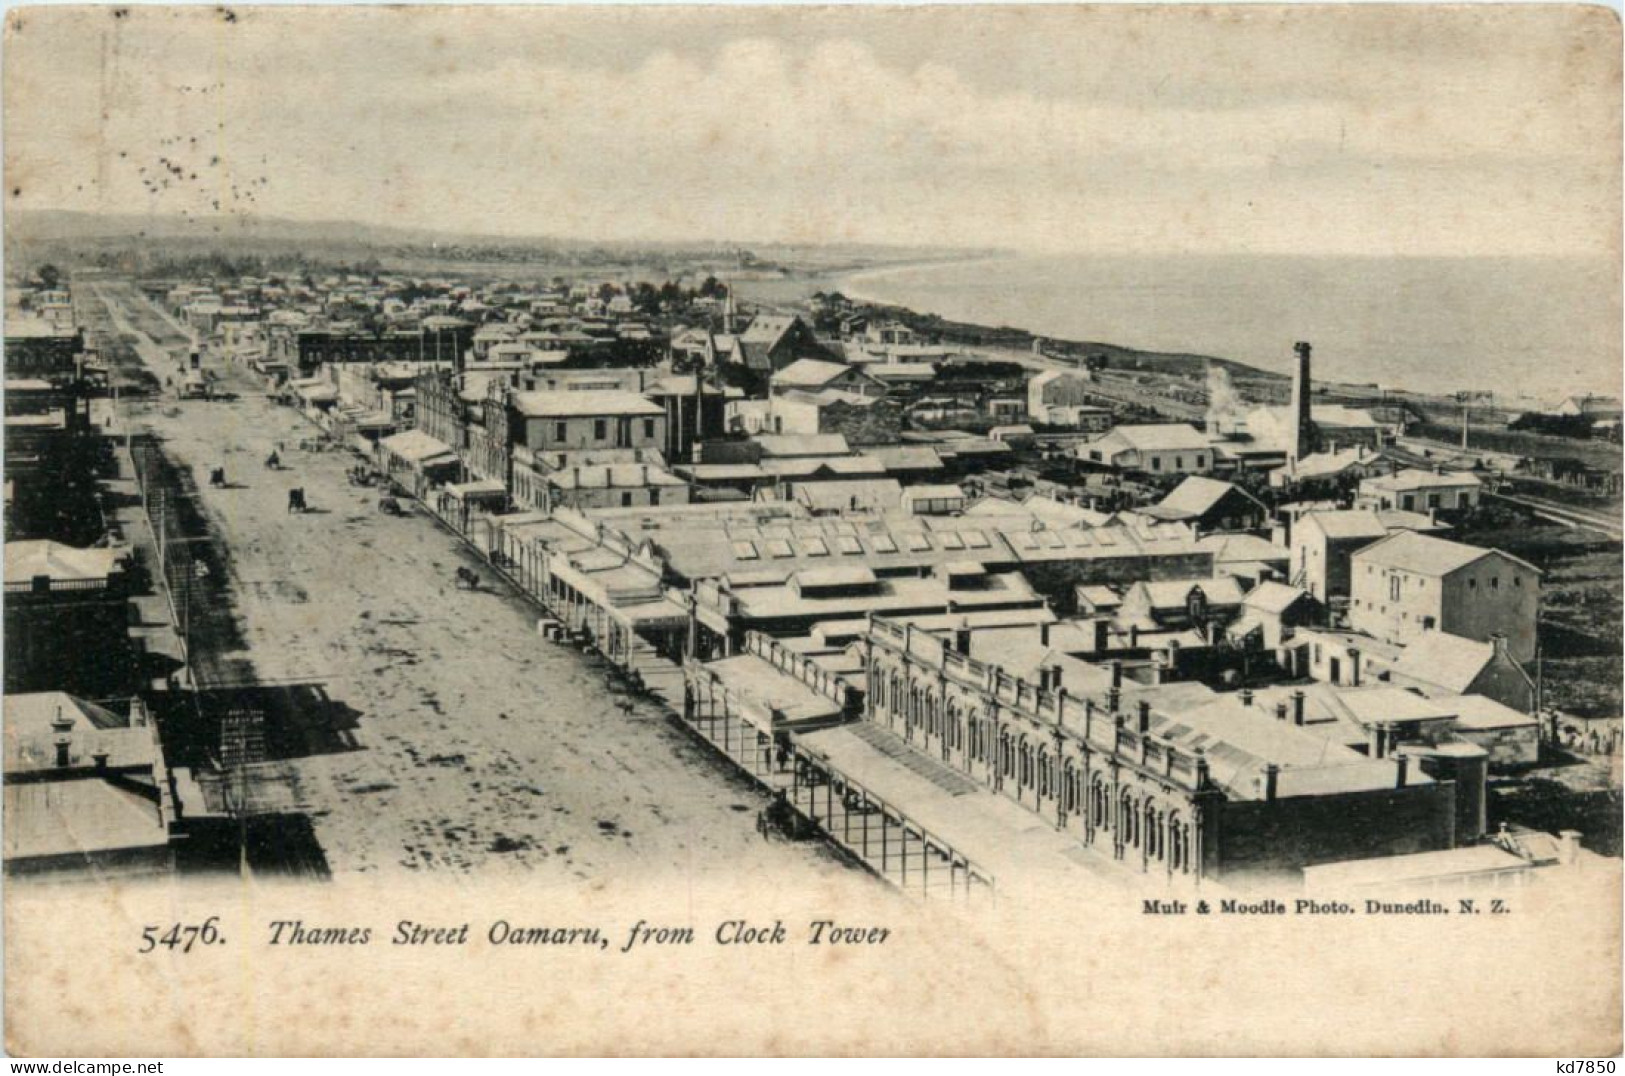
<point>1319,130</point>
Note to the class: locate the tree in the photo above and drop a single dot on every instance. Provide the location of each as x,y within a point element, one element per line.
<point>50,275</point>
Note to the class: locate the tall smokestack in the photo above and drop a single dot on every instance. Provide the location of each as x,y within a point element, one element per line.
<point>1303,443</point>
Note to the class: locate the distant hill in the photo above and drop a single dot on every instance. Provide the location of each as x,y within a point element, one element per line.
<point>242,235</point>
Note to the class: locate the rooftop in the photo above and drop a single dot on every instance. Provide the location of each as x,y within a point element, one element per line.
<point>583,403</point>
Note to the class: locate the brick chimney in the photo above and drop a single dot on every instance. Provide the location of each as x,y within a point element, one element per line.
<point>1303,442</point>
<point>1144,724</point>
<point>1297,707</point>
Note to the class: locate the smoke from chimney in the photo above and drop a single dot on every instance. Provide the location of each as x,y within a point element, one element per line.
<point>1226,411</point>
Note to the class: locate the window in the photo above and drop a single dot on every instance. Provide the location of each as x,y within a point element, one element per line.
<point>626,499</point>
<point>1495,582</point>
<point>1433,500</point>
<point>561,431</point>
<point>654,497</point>
<point>1199,459</point>
<point>1156,463</point>
<point>1179,463</point>
<point>649,428</point>
<point>1393,588</point>
<point>600,429</point>
<point>1517,580</point>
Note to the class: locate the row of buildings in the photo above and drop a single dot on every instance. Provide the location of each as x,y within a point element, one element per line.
<point>1260,654</point>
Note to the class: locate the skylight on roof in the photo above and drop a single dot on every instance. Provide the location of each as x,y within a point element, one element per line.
<point>917,542</point>
<point>778,547</point>
<point>745,550</point>
<point>950,540</point>
<point>976,539</point>
<point>848,543</point>
<point>814,547</point>
<point>883,543</point>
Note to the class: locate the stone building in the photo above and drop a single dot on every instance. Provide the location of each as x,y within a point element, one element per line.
<point>1217,791</point>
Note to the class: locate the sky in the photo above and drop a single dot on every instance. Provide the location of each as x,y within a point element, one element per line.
<point>1329,130</point>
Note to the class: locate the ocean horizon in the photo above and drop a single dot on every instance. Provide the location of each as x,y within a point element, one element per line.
<point>1529,328</point>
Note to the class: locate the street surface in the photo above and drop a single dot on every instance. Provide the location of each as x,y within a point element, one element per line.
<point>452,737</point>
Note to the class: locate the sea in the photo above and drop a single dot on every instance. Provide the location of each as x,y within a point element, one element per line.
<point>1531,329</point>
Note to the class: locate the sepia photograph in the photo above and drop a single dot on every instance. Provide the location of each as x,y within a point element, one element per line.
<point>812,530</point>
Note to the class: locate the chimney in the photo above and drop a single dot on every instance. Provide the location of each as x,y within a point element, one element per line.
<point>1145,717</point>
<point>1297,708</point>
<point>1117,675</point>
<point>61,726</point>
<point>1101,637</point>
<point>1354,666</point>
<point>1246,696</point>
<point>1304,426</point>
<point>962,638</point>
<point>1280,711</point>
<point>1043,635</point>
<point>1272,777</point>
<point>100,758</point>
<point>1114,699</point>
<point>1402,765</point>
<point>1133,636</point>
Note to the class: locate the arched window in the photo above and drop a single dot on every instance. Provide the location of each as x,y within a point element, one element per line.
<point>1043,774</point>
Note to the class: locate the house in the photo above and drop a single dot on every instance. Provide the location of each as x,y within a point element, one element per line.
<point>1210,505</point>
<point>1246,557</point>
<point>1439,663</point>
<point>862,419</point>
<point>1598,407</point>
<point>1322,545</point>
<point>1409,584</point>
<point>772,342</point>
<point>1174,448</point>
<point>1062,398</point>
<point>1272,611</point>
<point>1415,490</point>
<point>1329,472</point>
<point>1180,603</point>
<point>1510,737</point>
<point>555,421</point>
<point>1345,658</point>
<point>815,375</point>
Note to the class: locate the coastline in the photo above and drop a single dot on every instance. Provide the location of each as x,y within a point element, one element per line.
<point>1364,322</point>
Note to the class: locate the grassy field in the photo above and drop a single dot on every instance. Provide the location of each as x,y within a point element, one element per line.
<point>1580,616</point>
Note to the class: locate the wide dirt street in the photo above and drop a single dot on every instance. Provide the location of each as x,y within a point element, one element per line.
<point>465,743</point>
